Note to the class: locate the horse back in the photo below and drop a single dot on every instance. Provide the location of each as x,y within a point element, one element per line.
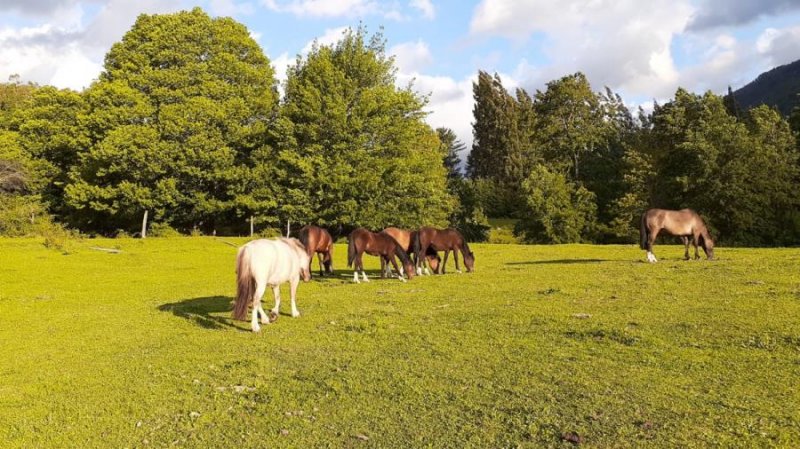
<point>675,222</point>
<point>403,237</point>
<point>273,262</point>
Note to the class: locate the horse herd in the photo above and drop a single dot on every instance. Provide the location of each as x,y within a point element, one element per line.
<point>262,263</point>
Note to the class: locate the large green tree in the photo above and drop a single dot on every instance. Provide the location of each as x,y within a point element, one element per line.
<point>176,119</point>
<point>359,151</point>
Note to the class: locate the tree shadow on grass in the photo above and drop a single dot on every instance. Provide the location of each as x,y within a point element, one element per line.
<point>558,262</point>
<point>204,311</point>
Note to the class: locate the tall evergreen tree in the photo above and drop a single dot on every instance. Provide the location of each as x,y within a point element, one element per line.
<point>451,147</point>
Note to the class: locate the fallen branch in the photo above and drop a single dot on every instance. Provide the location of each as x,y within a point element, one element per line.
<point>108,250</point>
<point>228,243</point>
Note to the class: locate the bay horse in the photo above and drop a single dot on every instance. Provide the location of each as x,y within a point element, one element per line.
<point>684,223</point>
<point>263,263</point>
<point>406,240</point>
<point>376,244</point>
<point>444,240</point>
<point>318,240</point>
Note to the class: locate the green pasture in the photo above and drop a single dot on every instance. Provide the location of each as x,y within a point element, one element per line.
<point>543,346</point>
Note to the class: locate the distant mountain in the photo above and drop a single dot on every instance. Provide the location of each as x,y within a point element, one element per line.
<point>778,87</point>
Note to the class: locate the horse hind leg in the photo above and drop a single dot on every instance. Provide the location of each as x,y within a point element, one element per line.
<point>276,292</point>
<point>260,289</point>
<point>455,258</point>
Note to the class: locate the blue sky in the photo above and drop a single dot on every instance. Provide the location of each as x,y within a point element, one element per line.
<point>643,50</point>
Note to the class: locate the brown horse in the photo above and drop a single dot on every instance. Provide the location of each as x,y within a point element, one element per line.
<point>444,240</point>
<point>684,223</point>
<point>376,244</point>
<point>406,240</point>
<point>318,240</point>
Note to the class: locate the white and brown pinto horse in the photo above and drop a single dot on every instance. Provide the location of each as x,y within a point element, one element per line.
<point>684,223</point>
<point>263,263</point>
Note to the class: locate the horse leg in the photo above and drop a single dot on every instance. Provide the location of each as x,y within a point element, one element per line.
<point>455,258</point>
<point>398,270</point>
<point>361,267</point>
<point>276,292</point>
<point>319,258</point>
<point>650,240</point>
<point>293,290</point>
<point>686,246</point>
<point>444,262</point>
<point>695,240</point>
<point>260,289</point>
<point>384,268</point>
<point>356,263</point>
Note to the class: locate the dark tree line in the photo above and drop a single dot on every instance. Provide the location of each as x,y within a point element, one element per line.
<point>576,165</point>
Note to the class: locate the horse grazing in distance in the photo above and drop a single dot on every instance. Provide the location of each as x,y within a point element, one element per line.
<point>263,263</point>
<point>406,240</point>
<point>318,240</point>
<point>684,223</point>
<point>376,244</point>
<point>444,240</point>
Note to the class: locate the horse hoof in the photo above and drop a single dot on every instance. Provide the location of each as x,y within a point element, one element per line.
<point>256,329</point>
<point>295,314</point>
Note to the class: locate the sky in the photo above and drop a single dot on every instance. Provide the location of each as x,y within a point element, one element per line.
<point>643,50</point>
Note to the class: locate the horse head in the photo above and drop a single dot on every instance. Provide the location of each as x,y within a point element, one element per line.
<point>469,261</point>
<point>708,246</point>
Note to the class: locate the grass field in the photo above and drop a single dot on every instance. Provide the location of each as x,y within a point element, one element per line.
<point>543,346</point>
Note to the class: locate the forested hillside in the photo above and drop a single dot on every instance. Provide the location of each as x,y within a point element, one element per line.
<point>778,87</point>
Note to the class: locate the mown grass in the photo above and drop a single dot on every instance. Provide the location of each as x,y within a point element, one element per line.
<point>543,346</point>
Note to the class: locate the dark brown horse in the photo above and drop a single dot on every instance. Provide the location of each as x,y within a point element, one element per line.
<point>684,223</point>
<point>318,240</point>
<point>381,245</point>
<point>444,240</point>
<point>406,240</point>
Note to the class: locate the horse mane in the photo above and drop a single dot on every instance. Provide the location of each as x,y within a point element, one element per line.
<point>400,252</point>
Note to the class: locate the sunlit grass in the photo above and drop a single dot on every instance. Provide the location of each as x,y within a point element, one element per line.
<point>541,346</point>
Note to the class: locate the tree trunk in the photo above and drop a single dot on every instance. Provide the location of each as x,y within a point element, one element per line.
<point>144,225</point>
<point>251,226</point>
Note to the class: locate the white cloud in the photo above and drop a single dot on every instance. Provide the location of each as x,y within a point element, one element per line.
<point>779,46</point>
<point>329,37</point>
<point>324,8</point>
<point>624,44</point>
<point>411,57</point>
<point>229,8</point>
<point>425,7</point>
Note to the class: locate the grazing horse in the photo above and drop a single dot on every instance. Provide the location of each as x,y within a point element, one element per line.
<point>444,240</point>
<point>263,263</point>
<point>318,240</point>
<point>684,223</point>
<point>406,240</point>
<point>376,244</point>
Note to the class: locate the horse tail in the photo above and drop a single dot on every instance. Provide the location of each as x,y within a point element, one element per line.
<point>351,250</point>
<point>643,232</point>
<point>245,284</point>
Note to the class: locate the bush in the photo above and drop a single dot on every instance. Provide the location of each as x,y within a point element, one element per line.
<point>21,215</point>
<point>162,230</point>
